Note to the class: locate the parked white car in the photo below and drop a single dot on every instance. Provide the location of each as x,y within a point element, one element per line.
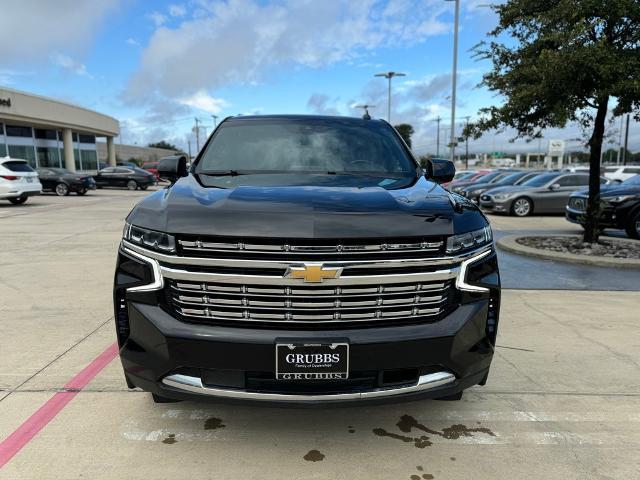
<point>621,173</point>
<point>18,181</point>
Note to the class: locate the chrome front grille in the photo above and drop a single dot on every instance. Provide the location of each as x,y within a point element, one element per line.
<point>203,301</point>
<point>297,249</point>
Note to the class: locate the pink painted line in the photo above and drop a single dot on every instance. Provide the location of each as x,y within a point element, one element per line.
<point>47,412</point>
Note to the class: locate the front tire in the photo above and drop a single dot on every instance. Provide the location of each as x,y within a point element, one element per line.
<point>132,185</point>
<point>62,189</point>
<point>521,207</point>
<point>633,226</point>
<point>18,200</point>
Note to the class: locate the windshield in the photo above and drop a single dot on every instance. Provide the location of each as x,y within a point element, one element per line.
<point>306,146</point>
<point>635,180</point>
<point>540,180</point>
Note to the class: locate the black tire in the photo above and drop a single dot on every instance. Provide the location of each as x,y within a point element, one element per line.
<point>18,200</point>
<point>61,189</point>
<point>82,192</point>
<point>521,207</point>
<point>160,399</point>
<point>132,185</point>
<point>633,226</point>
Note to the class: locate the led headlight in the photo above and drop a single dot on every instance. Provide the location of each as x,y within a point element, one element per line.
<point>149,238</point>
<point>503,196</point>
<point>466,241</point>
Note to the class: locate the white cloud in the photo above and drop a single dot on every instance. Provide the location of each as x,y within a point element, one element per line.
<point>177,10</point>
<point>68,63</point>
<point>238,41</point>
<point>133,41</point>
<point>157,18</point>
<point>203,101</point>
<point>30,30</point>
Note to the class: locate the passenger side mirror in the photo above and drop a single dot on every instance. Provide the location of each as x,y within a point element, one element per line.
<point>172,168</point>
<point>440,170</point>
<point>555,186</point>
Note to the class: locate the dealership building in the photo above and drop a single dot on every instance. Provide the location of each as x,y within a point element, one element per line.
<point>50,133</point>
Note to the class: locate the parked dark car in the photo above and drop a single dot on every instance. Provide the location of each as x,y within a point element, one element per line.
<point>456,184</point>
<point>131,178</point>
<point>620,204</point>
<point>151,167</point>
<point>473,191</point>
<point>491,177</point>
<point>62,181</point>
<point>544,193</point>
<point>306,259</point>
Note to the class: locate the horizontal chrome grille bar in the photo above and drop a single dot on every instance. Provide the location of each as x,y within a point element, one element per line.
<point>179,274</point>
<point>201,246</point>
<point>346,265</point>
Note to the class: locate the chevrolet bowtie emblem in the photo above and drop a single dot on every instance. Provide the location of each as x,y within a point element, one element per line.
<point>313,272</point>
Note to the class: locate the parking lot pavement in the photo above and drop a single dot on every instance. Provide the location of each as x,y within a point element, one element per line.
<point>561,401</point>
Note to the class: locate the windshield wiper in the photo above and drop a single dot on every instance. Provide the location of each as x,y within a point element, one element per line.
<point>222,173</point>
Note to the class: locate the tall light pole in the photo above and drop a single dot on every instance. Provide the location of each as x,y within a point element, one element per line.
<point>438,137</point>
<point>466,143</point>
<point>389,76</point>
<point>454,77</point>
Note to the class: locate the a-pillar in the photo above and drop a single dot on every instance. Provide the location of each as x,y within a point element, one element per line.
<point>67,145</point>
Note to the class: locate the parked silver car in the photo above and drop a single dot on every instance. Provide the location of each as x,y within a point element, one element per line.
<point>545,193</point>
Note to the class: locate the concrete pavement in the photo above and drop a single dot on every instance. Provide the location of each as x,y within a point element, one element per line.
<point>561,401</point>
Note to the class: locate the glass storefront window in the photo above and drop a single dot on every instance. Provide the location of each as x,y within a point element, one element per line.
<point>18,131</point>
<point>23,152</point>
<point>89,159</point>
<point>46,134</point>
<point>76,156</point>
<point>84,138</point>
<point>48,157</point>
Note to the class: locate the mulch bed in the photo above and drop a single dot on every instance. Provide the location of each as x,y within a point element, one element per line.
<point>604,248</point>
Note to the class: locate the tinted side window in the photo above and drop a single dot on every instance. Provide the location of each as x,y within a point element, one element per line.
<point>567,181</point>
<point>123,170</point>
<point>108,170</point>
<point>18,131</point>
<point>632,170</point>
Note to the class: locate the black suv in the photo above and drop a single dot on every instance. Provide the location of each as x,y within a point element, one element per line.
<point>306,259</point>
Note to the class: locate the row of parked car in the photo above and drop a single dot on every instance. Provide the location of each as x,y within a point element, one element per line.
<point>19,181</point>
<point>522,193</point>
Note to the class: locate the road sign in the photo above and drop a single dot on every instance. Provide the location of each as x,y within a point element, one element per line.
<point>556,147</point>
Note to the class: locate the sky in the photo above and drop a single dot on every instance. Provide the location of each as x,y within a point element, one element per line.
<point>156,66</point>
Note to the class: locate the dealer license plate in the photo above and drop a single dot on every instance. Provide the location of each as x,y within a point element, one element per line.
<point>311,361</point>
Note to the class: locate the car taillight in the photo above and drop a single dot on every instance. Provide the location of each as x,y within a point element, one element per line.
<point>9,177</point>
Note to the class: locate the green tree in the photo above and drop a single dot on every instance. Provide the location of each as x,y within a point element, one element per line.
<point>163,144</point>
<point>560,61</point>
<point>406,131</point>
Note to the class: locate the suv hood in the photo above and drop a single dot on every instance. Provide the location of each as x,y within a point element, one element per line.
<point>424,209</point>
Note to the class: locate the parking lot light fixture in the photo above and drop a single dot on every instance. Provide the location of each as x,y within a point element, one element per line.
<point>389,76</point>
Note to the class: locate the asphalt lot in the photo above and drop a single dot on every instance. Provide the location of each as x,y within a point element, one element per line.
<point>561,401</point>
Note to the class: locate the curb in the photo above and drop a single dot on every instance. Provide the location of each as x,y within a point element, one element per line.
<point>509,244</point>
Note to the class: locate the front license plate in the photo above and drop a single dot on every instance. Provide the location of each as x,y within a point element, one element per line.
<point>312,361</point>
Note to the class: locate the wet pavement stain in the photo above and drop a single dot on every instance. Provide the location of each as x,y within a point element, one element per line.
<point>351,429</point>
<point>418,442</point>
<point>170,440</point>
<point>453,459</point>
<point>407,423</point>
<point>213,423</point>
<point>314,456</point>
<point>424,476</point>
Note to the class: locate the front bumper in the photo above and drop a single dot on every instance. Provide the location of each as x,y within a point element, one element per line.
<point>490,204</point>
<point>178,360</point>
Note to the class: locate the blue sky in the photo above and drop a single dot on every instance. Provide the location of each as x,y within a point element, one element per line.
<point>156,66</point>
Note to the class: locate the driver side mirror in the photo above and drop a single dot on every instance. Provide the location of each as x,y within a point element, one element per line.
<point>554,187</point>
<point>172,168</point>
<point>440,170</point>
